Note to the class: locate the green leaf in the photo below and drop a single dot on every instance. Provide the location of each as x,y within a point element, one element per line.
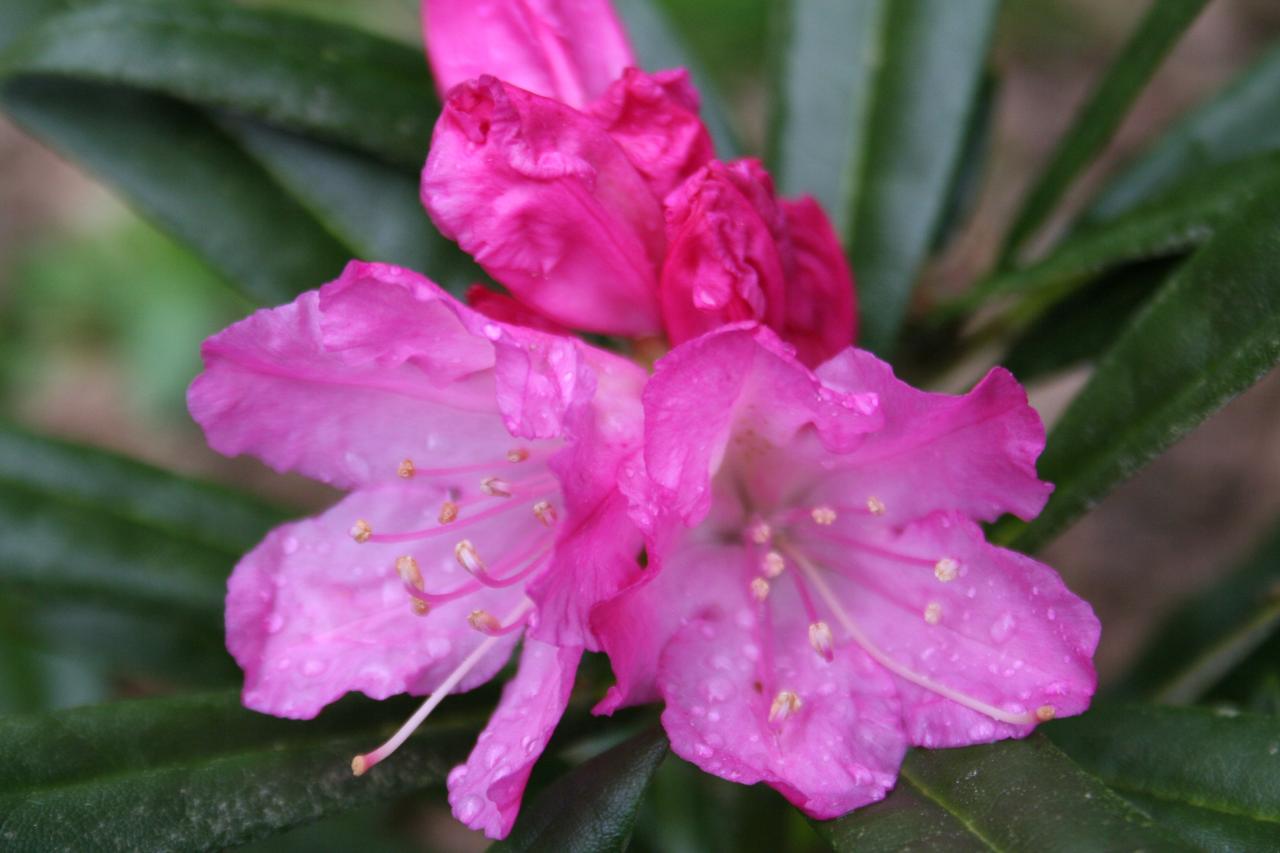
<point>200,772</point>
<point>1212,632</point>
<point>1163,25</point>
<point>326,80</point>
<point>119,562</point>
<point>1011,795</point>
<point>1212,777</point>
<point>1212,331</point>
<point>593,808</point>
<point>188,177</point>
<point>658,46</point>
<point>1185,216</point>
<point>1238,121</point>
<point>875,99</point>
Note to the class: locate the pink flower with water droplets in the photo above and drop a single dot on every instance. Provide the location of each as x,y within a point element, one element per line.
<point>480,459</point>
<point>820,595</point>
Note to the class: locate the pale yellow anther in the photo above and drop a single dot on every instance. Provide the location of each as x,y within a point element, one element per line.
<point>495,487</point>
<point>821,640</point>
<point>760,532</point>
<point>359,765</point>
<point>419,607</point>
<point>406,469</point>
<point>484,621</point>
<point>760,588</point>
<point>361,531</point>
<point>468,556</point>
<point>448,512</point>
<point>933,613</point>
<point>784,705</point>
<point>517,454</point>
<point>409,572</point>
<point>875,505</point>
<point>1045,713</point>
<point>946,569</point>
<point>772,565</point>
<point>546,513</point>
<point>823,515</point>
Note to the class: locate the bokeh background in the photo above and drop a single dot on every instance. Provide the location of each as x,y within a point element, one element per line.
<point>101,316</point>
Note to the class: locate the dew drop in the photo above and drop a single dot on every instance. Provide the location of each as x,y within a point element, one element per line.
<point>468,807</point>
<point>290,545</point>
<point>275,623</point>
<point>1002,628</point>
<point>313,667</point>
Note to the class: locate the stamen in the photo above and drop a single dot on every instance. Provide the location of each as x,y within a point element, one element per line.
<point>448,512</point>
<point>760,588</point>
<point>406,469</point>
<point>784,705</point>
<point>1045,713</point>
<point>946,569</point>
<point>361,763</point>
<point>772,565</point>
<point>361,531</point>
<point>821,640</point>
<point>880,657</point>
<point>419,607</point>
<point>486,623</point>
<point>760,532</point>
<point>517,454</point>
<point>409,572</point>
<point>824,515</point>
<point>495,487</point>
<point>875,505</point>
<point>879,551</point>
<point>546,513</point>
<point>468,557</point>
<point>933,613</point>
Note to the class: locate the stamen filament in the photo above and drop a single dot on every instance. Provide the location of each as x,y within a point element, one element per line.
<point>879,551</point>
<point>855,631</point>
<point>448,528</point>
<point>361,763</point>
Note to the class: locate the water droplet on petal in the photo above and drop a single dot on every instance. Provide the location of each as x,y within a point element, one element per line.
<point>1002,628</point>
<point>468,807</point>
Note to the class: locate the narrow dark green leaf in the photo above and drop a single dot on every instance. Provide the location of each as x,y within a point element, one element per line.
<point>1012,795</point>
<point>1213,631</point>
<point>1093,126</point>
<point>1178,220</point>
<point>874,102</point>
<point>659,46</point>
<point>1212,331</point>
<point>593,808</point>
<point>201,773</point>
<point>1240,120</point>
<point>209,195</point>
<point>1209,774</point>
<point>300,73</point>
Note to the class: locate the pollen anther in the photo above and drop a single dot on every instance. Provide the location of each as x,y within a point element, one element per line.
<point>361,530</point>
<point>875,505</point>
<point>945,569</point>
<point>546,513</point>
<point>1045,713</point>
<point>773,564</point>
<point>359,765</point>
<point>448,512</point>
<point>405,470</point>
<point>419,607</point>
<point>824,515</point>
<point>409,572</point>
<point>760,588</point>
<point>495,487</point>
<point>484,621</point>
<point>784,705</point>
<point>760,532</point>
<point>821,640</point>
<point>468,556</point>
<point>517,454</point>
<point>933,613</point>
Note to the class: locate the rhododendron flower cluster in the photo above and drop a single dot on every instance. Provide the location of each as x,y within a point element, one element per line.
<point>817,594</point>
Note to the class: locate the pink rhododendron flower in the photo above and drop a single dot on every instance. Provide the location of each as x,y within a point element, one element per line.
<point>609,214</point>
<point>480,458</point>
<point>820,595</point>
<point>570,50</point>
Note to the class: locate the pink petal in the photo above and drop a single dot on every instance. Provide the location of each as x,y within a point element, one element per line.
<point>654,117</point>
<point>736,378</point>
<point>485,792</point>
<point>821,319</point>
<point>720,676</point>
<point>570,50</point>
<point>344,395</point>
<point>549,205</point>
<point>504,309</point>
<point>722,265</point>
<point>974,454</point>
<point>992,625</point>
<point>311,614</point>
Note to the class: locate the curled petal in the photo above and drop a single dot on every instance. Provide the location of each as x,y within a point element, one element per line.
<point>821,318</point>
<point>504,309</point>
<point>485,792</point>
<point>654,118</point>
<point>570,50</point>
<point>549,205</point>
